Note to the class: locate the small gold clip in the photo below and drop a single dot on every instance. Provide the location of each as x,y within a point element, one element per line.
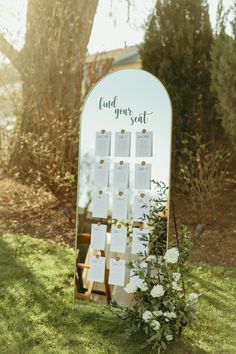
<point>143,163</point>
<point>119,226</point>
<point>121,162</point>
<point>101,162</point>
<point>100,192</point>
<point>141,227</point>
<point>122,131</point>
<point>142,195</point>
<point>120,194</point>
<point>99,223</point>
<point>144,131</point>
<point>117,259</point>
<point>103,131</point>
<point>98,255</point>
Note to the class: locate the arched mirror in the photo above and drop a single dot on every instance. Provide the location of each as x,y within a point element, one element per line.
<point>125,142</point>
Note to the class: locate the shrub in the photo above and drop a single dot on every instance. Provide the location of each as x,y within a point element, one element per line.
<point>161,306</point>
<point>202,175</point>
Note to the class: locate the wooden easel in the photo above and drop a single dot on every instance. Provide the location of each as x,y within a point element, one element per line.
<point>83,293</point>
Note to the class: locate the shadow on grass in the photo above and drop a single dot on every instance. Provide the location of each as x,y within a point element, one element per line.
<point>185,348</point>
<point>36,311</point>
<point>216,295</point>
<point>25,301</point>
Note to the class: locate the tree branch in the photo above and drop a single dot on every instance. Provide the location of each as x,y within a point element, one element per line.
<point>10,52</point>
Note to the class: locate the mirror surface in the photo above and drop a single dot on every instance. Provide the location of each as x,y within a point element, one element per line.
<point>127,100</point>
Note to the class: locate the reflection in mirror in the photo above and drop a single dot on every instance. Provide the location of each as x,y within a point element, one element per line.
<point>125,142</point>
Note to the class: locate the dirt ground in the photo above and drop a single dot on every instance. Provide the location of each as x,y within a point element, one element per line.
<point>217,244</point>
<point>25,210</point>
<point>28,211</point>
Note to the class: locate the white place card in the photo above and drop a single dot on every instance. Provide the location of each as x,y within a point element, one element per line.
<point>122,143</point>
<point>142,177</point>
<point>121,175</point>
<point>141,207</point>
<point>98,236</point>
<point>99,205</point>
<point>101,173</point>
<point>139,245</point>
<point>118,238</point>
<point>144,144</point>
<point>97,269</point>
<point>103,143</point>
<point>120,206</point>
<point>117,272</point>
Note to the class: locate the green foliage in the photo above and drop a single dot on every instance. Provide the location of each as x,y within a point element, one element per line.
<point>223,75</point>
<point>161,307</point>
<point>157,219</point>
<point>36,313</point>
<point>176,49</point>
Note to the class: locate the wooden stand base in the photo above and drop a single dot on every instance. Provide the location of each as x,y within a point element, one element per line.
<point>82,293</point>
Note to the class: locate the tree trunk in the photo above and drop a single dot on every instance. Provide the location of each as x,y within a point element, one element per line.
<point>51,68</point>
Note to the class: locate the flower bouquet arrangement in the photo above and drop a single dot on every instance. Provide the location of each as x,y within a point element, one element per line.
<point>162,307</point>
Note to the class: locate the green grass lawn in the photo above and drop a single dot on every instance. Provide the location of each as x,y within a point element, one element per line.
<point>37,316</point>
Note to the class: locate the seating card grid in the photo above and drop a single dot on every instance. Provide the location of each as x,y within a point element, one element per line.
<point>120,198</point>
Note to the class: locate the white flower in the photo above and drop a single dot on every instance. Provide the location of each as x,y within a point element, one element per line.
<point>167,314</point>
<point>157,291</point>
<point>147,315</point>
<point>155,325</point>
<point>172,255</point>
<point>175,286</point>
<point>169,337</point>
<point>143,265</point>
<point>176,276</point>
<point>151,258</point>
<point>160,260</point>
<point>193,298</point>
<point>130,287</point>
<point>143,286</point>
